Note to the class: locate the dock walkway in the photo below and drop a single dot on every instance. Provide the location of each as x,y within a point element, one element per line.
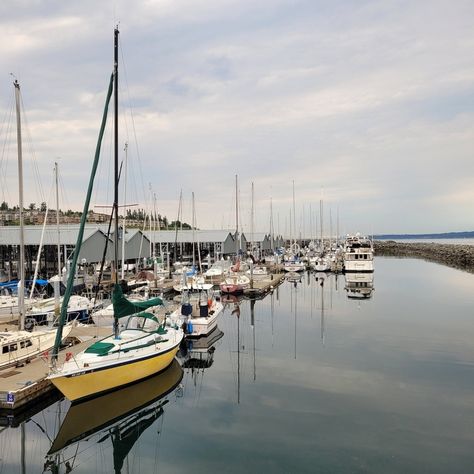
<point>264,286</point>
<point>20,386</point>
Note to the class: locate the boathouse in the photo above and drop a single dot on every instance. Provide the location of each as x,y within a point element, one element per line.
<point>138,245</point>
<point>95,241</point>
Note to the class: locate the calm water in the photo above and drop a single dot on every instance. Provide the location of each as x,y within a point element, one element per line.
<point>318,383</point>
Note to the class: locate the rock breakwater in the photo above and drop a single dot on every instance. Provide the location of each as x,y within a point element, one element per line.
<point>453,255</point>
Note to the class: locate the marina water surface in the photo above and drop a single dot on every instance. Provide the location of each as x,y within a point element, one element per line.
<point>305,380</point>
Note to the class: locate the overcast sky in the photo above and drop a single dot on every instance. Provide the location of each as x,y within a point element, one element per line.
<point>367,104</point>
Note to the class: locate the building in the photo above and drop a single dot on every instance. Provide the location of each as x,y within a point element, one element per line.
<point>95,241</point>
<point>138,245</point>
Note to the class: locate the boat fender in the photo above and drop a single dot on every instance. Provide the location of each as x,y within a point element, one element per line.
<point>68,356</point>
<point>190,327</point>
<point>186,309</point>
<point>209,303</point>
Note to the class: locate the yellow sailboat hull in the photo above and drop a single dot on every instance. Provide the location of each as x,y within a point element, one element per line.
<point>89,383</point>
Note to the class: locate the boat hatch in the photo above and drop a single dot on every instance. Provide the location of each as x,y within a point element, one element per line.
<point>100,348</point>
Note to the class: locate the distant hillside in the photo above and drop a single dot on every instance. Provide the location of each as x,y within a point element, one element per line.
<point>445,235</point>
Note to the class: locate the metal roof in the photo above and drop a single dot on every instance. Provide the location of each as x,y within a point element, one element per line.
<point>186,236</point>
<point>10,235</point>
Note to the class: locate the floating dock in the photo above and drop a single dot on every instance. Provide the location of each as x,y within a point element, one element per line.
<point>22,386</point>
<point>260,288</point>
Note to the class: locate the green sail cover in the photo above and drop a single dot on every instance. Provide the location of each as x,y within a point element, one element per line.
<point>124,307</point>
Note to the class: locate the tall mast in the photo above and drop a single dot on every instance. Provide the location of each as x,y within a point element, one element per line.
<point>330,228</point>
<point>116,169</point>
<point>21,284</point>
<point>236,218</point>
<point>124,211</point>
<point>321,223</point>
<point>272,236</point>
<point>58,282</point>
<point>152,254</point>
<point>193,225</point>
<point>176,227</point>
<point>116,161</point>
<point>251,224</point>
<point>155,220</point>
<point>294,214</point>
<point>57,218</point>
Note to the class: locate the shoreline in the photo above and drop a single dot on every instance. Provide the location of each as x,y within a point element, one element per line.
<point>460,256</point>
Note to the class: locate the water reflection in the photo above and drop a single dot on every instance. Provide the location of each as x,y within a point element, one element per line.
<point>235,312</point>
<point>359,285</point>
<point>120,417</point>
<point>294,277</point>
<point>383,386</point>
<point>197,355</point>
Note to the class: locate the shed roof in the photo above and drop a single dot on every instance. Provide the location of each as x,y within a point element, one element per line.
<point>10,235</point>
<point>186,236</point>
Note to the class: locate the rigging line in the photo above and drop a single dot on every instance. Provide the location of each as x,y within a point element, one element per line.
<point>64,198</point>
<point>70,281</point>
<point>74,457</point>
<point>36,173</point>
<point>131,177</point>
<point>105,170</point>
<point>104,254</point>
<point>8,110</point>
<point>6,146</point>
<point>133,122</point>
<point>7,125</point>
<point>40,249</point>
<point>41,429</point>
<point>110,161</point>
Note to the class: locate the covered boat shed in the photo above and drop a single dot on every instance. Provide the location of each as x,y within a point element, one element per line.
<point>94,242</point>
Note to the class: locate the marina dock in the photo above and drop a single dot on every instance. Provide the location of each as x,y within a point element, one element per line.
<point>262,287</point>
<point>22,386</point>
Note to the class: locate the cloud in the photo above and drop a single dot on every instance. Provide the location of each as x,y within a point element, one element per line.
<point>368,100</point>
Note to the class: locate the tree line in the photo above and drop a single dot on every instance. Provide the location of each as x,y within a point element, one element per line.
<point>135,217</point>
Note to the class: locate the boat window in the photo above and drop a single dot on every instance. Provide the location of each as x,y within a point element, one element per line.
<point>28,343</point>
<point>135,323</point>
<point>22,344</point>
<point>13,347</point>
<point>150,325</point>
<point>5,350</point>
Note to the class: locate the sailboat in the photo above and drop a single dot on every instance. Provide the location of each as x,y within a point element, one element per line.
<point>17,347</point>
<point>146,345</point>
